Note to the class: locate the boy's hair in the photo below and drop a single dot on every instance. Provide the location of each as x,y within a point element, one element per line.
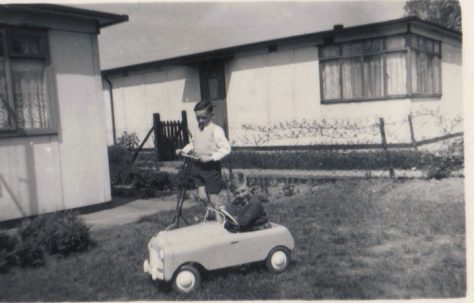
<point>204,105</point>
<point>237,180</point>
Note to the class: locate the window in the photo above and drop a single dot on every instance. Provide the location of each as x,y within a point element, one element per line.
<point>24,99</point>
<point>212,80</point>
<point>381,68</point>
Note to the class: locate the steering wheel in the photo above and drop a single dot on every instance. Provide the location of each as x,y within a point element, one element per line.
<point>223,213</point>
<point>229,216</point>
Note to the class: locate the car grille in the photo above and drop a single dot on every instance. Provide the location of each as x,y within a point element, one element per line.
<point>155,261</point>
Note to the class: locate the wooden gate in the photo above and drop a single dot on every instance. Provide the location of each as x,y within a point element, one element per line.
<point>169,136</point>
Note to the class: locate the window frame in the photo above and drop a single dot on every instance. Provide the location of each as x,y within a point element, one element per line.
<point>407,50</point>
<point>209,70</point>
<point>49,86</point>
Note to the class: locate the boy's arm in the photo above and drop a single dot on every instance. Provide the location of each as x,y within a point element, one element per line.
<point>223,146</point>
<point>187,149</point>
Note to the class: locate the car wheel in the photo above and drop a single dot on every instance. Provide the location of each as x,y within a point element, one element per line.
<point>278,260</point>
<point>187,280</point>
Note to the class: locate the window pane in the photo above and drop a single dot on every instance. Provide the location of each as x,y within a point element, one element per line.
<point>396,73</point>
<point>414,72</point>
<point>213,86</point>
<point>437,48</point>
<point>29,91</point>
<point>1,45</point>
<point>5,119</point>
<point>436,72</point>
<point>426,74</point>
<point>395,42</point>
<point>429,45</point>
<point>331,80</point>
<point>373,45</point>
<point>330,51</point>
<point>352,78</point>
<point>373,76</point>
<point>25,43</point>
<point>414,41</point>
<point>352,49</point>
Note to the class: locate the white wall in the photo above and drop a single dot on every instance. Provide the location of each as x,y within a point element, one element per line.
<point>268,89</point>
<point>68,170</point>
<point>139,95</point>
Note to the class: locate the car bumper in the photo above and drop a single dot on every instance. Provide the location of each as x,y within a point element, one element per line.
<point>153,272</point>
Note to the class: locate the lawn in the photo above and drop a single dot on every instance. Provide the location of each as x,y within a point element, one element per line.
<point>365,239</point>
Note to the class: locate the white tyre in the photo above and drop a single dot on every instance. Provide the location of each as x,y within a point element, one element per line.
<point>187,280</point>
<point>278,260</point>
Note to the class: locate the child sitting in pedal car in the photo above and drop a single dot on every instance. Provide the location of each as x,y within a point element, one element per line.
<point>246,208</point>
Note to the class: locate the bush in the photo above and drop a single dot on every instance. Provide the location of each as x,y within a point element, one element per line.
<point>69,234</point>
<point>449,159</point>
<point>128,140</point>
<point>123,172</point>
<point>61,232</point>
<point>329,159</point>
<point>7,248</point>
<point>28,255</point>
<point>120,165</point>
<point>151,181</point>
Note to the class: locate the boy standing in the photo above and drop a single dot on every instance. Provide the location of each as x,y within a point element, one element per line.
<point>211,146</point>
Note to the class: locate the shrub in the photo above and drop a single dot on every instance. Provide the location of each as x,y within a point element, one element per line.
<point>328,159</point>
<point>70,234</point>
<point>449,159</point>
<point>27,254</point>
<point>128,140</point>
<point>7,247</point>
<point>151,181</point>
<point>61,232</point>
<point>120,164</point>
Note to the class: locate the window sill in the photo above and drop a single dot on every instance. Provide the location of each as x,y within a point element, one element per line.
<point>27,133</point>
<point>412,96</point>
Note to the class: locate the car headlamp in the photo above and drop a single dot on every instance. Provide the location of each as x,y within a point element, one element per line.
<point>161,254</point>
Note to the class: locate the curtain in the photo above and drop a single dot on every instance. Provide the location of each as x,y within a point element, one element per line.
<point>213,86</point>
<point>373,76</point>
<point>426,73</point>
<point>331,80</point>
<point>5,121</point>
<point>396,73</point>
<point>352,78</point>
<point>29,93</point>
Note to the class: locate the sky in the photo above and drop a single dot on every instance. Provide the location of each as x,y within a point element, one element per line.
<point>161,30</point>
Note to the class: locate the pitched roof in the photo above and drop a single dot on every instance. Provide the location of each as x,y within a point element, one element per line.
<point>228,52</point>
<point>103,19</point>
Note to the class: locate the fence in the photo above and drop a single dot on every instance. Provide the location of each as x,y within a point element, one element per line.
<point>168,136</point>
<point>402,143</point>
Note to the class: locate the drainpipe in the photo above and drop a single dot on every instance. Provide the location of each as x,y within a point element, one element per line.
<point>111,94</point>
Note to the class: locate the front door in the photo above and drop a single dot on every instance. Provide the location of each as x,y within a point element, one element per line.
<point>212,78</point>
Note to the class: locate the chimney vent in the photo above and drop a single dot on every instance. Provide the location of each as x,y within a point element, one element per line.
<point>338,28</point>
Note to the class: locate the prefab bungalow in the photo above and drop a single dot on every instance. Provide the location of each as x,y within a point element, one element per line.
<point>274,92</point>
<point>53,141</point>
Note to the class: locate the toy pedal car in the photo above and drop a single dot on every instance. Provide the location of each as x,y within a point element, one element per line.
<point>179,255</point>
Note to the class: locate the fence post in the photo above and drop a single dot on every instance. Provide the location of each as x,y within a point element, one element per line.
<point>412,135</point>
<point>158,131</point>
<point>385,147</point>
<point>184,125</point>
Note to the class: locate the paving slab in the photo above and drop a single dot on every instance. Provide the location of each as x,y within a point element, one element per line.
<point>128,210</point>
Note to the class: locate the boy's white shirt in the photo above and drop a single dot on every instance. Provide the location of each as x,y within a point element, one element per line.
<point>223,145</point>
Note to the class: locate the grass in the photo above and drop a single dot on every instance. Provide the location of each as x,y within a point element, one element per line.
<point>366,239</point>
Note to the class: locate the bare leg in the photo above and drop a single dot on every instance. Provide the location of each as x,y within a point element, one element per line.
<point>202,195</point>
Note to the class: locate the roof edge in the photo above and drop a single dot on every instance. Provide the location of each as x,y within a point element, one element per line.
<point>227,51</point>
<point>104,19</point>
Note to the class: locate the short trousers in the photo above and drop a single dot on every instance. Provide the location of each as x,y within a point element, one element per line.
<point>208,175</point>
